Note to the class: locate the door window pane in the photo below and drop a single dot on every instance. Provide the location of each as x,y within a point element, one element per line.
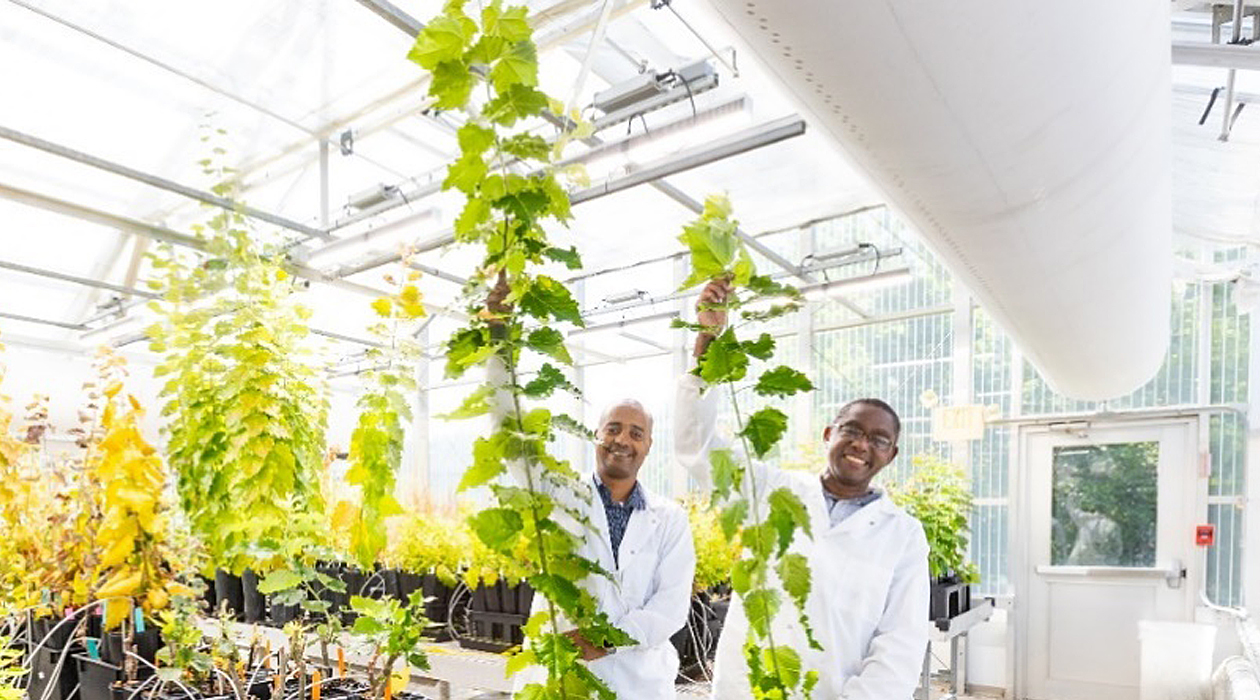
<point>1104,505</point>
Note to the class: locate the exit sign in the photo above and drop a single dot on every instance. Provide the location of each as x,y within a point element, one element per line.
<point>957,423</point>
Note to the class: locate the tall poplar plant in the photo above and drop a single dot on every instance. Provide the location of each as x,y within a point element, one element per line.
<point>768,574</point>
<point>486,67</point>
<point>376,445</point>
<point>245,414</point>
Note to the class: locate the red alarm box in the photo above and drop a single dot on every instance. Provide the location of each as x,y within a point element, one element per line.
<point>1205,535</point>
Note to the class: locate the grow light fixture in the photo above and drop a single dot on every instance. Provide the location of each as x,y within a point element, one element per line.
<point>852,285</point>
<point>701,127</point>
<point>373,196</point>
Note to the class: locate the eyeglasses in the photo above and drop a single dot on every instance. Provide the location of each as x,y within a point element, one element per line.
<point>879,442</point>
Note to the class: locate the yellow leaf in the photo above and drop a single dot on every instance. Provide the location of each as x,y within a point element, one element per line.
<point>135,404</point>
<point>115,612</point>
<point>281,275</point>
<point>344,515</point>
<point>118,552</point>
<point>112,390</point>
<point>382,307</point>
<point>156,599</point>
<point>123,583</point>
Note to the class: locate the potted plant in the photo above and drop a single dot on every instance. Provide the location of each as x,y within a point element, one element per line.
<point>500,596</point>
<point>938,494</point>
<point>246,412</point>
<point>394,632</point>
<point>428,553</point>
<point>716,555</point>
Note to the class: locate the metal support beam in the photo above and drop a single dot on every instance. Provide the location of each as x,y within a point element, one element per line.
<point>1216,55</point>
<point>725,147</point>
<point>390,12</point>
<point>96,216</point>
<point>159,182</point>
<point>43,321</point>
<point>73,279</point>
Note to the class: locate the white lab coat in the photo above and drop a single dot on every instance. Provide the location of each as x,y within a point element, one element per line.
<point>868,604</point>
<point>649,597</point>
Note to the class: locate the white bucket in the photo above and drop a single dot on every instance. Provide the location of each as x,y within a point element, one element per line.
<point>1176,660</point>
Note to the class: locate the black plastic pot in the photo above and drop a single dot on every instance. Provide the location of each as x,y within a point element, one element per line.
<point>254,603</point>
<point>46,630</point>
<point>228,588</point>
<point>389,578</point>
<point>949,598</point>
<point>146,643</point>
<point>495,616</point>
<point>96,678</point>
<point>209,599</point>
<point>280,615</point>
<point>697,642</point>
<point>46,677</point>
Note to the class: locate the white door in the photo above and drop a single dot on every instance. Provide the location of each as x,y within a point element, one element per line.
<point>1106,528</point>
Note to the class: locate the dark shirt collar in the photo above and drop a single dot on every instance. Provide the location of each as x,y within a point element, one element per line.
<point>636,501</point>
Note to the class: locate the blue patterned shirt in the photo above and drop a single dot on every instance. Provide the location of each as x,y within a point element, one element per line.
<point>619,513</point>
<point>841,508</point>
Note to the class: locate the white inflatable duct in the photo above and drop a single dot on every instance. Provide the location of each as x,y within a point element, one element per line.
<point>1027,141</point>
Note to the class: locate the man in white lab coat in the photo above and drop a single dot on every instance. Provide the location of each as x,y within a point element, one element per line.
<point>868,604</point>
<point>644,540</point>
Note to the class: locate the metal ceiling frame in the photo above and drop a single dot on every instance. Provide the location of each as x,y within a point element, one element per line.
<point>159,182</point>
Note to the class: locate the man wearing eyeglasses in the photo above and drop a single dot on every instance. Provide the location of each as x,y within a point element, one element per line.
<point>868,603</point>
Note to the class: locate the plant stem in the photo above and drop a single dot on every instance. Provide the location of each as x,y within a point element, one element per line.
<point>754,504</point>
<point>510,364</point>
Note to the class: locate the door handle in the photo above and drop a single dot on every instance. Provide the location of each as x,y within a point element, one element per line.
<point>1176,574</point>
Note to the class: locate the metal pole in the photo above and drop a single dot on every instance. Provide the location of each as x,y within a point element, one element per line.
<point>76,280</point>
<point>159,182</point>
<point>596,37</point>
<point>43,321</point>
<point>97,216</point>
<point>1227,118</point>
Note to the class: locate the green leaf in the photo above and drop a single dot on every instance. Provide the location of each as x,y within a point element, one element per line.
<point>742,575</point>
<point>724,360</point>
<point>279,580</point>
<point>764,429</point>
<point>761,348</point>
<point>570,425</point>
<point>569,256</point>
<point>452,85</point>
<point>442,39</point>
<point>793,570</point>
<point>487,463</point>
<point>497,527</point>
<point>716,250</point>
<point>549,341</point>
<point>466,173</point>
<point>761,606</point>
<point>476,211</point>
<point>727,474</point>
<point>511,24</point>
<point>547,381</point>
<point>783,500</point>
<point>518,67</point>
<point>548,299</point>
<point>474,138</point>
<point>527,146</point>
<point>732,517</point>
<point>518,102</point>
<point>478,403</point>
<point>785,662</point>
<point>782,381</point>
<point>764,285</point>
